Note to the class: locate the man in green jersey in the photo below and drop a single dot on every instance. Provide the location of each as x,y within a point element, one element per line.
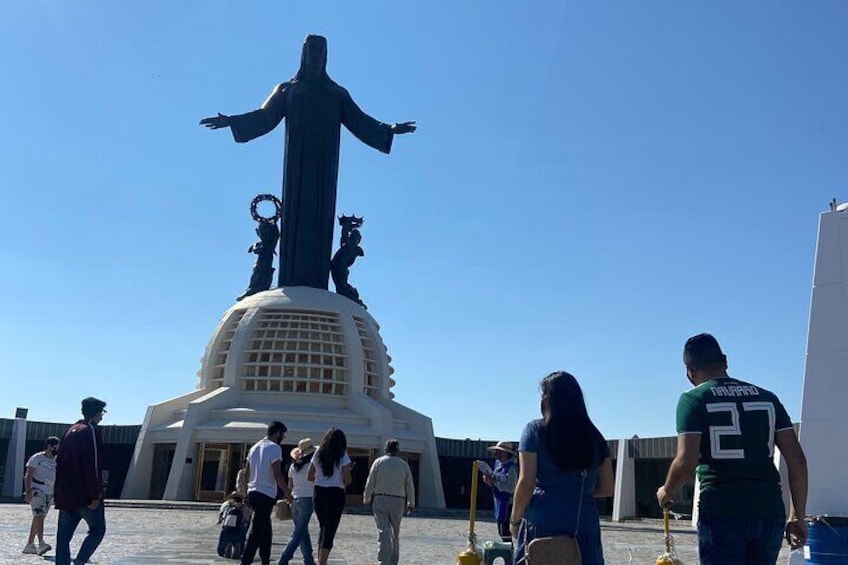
<point>728,429</point>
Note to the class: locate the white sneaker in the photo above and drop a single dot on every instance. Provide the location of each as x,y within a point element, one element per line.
<point>44,548</point>
<point>30,549</point>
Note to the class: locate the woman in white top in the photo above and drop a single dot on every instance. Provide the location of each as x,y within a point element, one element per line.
<point>301,507</point>
<point>330,469</point>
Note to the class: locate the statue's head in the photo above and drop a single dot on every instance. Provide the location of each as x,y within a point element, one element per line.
<point>351,222</point>
<point>268,232</point>
<point>313,59</point>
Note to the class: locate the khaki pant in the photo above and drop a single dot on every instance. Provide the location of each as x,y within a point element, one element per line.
<point>388,512</point>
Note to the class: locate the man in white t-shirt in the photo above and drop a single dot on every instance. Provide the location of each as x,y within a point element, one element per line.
<point>38,493</point>
<point>264,474</point>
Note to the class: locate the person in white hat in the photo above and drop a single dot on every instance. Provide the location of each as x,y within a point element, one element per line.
<point>502,479</point>
<point>301,507</point>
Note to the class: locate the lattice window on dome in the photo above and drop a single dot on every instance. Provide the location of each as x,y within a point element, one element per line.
<point>300,352</point>
<point>218,359</point>
<point>371,367</point>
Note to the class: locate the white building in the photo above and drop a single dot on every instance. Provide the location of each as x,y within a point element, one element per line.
<point>824,420</point>
<point>308,357</point>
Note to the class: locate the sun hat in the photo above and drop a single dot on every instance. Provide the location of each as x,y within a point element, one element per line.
<point>505,446</point>
<point>304,447</point>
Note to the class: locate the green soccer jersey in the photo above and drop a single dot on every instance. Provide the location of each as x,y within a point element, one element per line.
<point>737,422</point>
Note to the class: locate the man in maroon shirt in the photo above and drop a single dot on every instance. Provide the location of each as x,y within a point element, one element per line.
<point>79,486</point>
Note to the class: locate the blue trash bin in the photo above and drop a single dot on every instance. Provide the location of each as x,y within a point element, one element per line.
<point>827,543</point>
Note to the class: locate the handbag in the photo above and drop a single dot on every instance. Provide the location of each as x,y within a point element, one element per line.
<point>557,550</point>
<point>282,510</point>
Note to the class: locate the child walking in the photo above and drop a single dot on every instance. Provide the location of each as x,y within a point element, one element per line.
<point>233,520</point>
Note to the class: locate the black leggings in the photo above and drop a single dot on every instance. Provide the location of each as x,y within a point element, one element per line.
<point>260,533</point>
<point>329,504</point>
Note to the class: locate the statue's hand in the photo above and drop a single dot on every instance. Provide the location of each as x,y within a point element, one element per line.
<point>219,121</point>
<point>405,127</point>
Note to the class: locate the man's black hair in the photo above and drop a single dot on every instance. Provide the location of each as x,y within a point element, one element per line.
<point>703,352</point>
<point>91,406</point>
<point>392,446</point>
<point>275,428</point>
<point>52,440</point>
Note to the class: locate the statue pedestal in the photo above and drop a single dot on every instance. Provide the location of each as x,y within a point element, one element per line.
<point>305,356</point>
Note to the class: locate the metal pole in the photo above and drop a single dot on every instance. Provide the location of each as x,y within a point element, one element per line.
<point>470,556</point>
<point>473,510</point>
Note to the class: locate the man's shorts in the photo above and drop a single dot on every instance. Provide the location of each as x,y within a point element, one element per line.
<point>40,503</point>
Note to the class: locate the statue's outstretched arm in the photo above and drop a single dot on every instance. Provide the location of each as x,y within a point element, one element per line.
<point>404,127</point>
<point>217,122</point>
<point>256,123</point>
<point>368,130</point>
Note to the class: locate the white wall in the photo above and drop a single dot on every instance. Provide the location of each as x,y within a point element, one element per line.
<point>624,499</point>
<point>823,414</point>
<point>13,478</point>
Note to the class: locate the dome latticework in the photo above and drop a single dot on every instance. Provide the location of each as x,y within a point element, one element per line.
<point>267,344</point>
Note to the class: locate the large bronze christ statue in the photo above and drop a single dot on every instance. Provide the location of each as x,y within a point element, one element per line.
<point>314,108</point>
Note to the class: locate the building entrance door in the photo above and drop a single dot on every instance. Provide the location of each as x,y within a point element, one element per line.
<point>212,480</point>
<point>163,458</point>
<point>361,460</point>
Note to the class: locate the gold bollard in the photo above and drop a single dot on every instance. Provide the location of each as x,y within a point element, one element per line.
<point>470,555</point>
<point>667,558</point>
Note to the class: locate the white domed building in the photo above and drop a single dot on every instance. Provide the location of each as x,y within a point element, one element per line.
<point>308,357</point>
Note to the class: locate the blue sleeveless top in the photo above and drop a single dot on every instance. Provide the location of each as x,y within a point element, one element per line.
<point>558,494</point>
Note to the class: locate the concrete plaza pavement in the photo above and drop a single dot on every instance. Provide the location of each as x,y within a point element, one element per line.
<point>188,535</point>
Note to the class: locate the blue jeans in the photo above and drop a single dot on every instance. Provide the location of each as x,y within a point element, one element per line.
<point>68,522</point>
<point>301,510</point>
<point>739,540</point>
<point>231,536</point>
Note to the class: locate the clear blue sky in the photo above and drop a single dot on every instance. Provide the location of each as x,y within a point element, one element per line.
<point>591,183</point>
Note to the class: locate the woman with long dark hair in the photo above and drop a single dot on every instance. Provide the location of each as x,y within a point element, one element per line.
<point>330,469</point>
<point>564,464</point>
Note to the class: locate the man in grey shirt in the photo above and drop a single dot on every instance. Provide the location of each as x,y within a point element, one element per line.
<point>389,489</point>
